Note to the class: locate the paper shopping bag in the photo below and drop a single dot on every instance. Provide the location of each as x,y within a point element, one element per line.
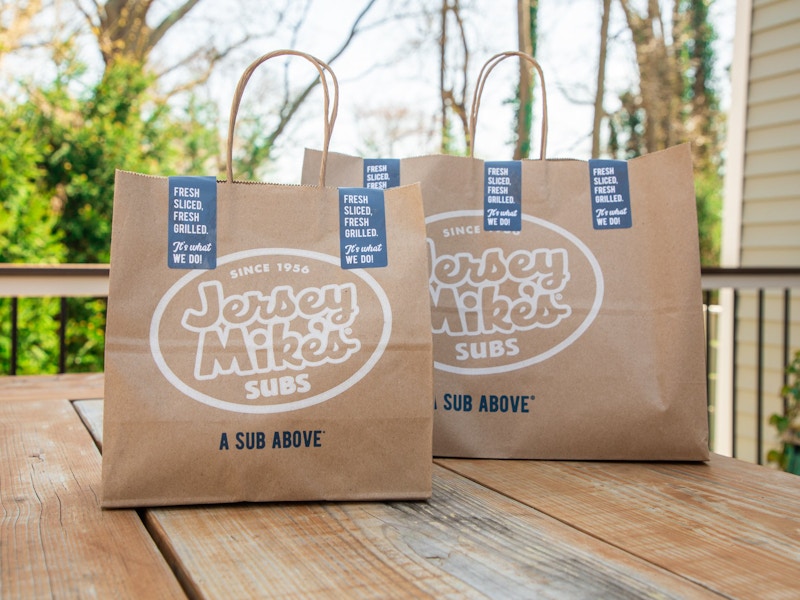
<point>278,370</point>
<point>566,302</point>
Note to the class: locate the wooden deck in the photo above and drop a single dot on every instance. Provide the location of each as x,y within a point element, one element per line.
<point>498,529</point>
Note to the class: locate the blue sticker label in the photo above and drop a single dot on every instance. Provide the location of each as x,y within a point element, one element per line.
<point>381,173</point>
<point>362,228</point>
<point>192,222</point>
<point>502,196</point>
<point>611,195</point>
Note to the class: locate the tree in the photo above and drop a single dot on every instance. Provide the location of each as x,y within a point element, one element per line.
<point>703,124</point>
<point>260,138</point>
<point>600,90</point>
<point>29,214</point>
<point>70,135</point>
<point>660,84</point>
<point>118,124</point>
<point>383,130</point>
<point>453,95</point>
<point>523,103</point>
<point>123,32</point>
<point>28,219</point>
<point>16,23</point>
<point>57,188</point>
<point>675,101</point>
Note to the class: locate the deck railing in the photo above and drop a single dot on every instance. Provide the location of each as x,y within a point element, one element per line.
<point>48,281</point>
<point>752,329</point>
<point>756,334</point>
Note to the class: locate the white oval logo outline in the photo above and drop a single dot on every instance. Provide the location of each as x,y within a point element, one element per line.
<point>570,339</point>
<point>158,357</point>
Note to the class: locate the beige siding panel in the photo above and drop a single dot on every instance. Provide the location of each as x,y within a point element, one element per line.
<point>773,162</point>
<point>776,64</point>
<point>771,89</point>
<point>775,257</point>
<point>746,441</point>
<point>767,212</point>
<point>775,138</point>
<point>784,186</point>
<point>768,114</point>
<point>778,38</point>
<point>767,15</point>
<point>773,235</point>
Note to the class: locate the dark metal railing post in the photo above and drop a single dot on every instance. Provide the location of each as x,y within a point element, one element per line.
<point>787,324</point>
<point>12,368</point>
<point>707,303</point>
<point>62,336</point>
<point>734,393</point>
<point>760,378</point>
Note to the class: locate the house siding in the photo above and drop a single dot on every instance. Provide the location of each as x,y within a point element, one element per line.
<point>770,214</point>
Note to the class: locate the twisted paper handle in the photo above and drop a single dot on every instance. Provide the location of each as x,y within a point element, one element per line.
<point>330,109</point>
<point>476,98</point>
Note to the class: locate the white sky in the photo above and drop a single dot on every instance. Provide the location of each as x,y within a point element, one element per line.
<point>568,48</point>
<point>382,70</point>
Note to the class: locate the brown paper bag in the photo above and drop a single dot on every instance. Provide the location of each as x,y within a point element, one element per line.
<point>277,375</point>
<point>561,340</point>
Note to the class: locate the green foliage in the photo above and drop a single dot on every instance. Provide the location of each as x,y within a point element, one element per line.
<point>118,125</point>
<point>28,219</point>
<point>28,212</point>
<point>788,423</point>
<point>697,119</point>
<point>60,147</point>
<point>449,144</point>
<point>525,113</point>
<point>626,129</point>
<point>86,327</point>
<point>708,191</point>
<point>40,340</point>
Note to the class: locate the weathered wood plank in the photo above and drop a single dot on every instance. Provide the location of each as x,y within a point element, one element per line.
<point>67,386</point>
<point>730,526</point>
<point>91,413</point>
<point>466,542</point>
<point>56,542</point>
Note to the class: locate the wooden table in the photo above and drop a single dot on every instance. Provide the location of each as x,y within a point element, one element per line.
<point>500,529</point>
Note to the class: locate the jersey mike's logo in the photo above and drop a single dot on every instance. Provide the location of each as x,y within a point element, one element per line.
<point>270,330</point>
<point>501,301</point>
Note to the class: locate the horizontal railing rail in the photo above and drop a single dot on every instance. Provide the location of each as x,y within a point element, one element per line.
<point>49,281</point>
<point>56,281</point>
<point>716,278</point>
<point>91,281</point>
<point>75,280</point>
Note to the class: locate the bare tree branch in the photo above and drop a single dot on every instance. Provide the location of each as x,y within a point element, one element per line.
<point>170,20</point>
<point>288,109</point>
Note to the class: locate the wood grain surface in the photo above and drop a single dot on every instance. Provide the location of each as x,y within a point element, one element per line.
<point>67,386</point>
<point>56,542</point>
<point>496,529</point>
<point>730,526</point>
<point>466,542</point>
